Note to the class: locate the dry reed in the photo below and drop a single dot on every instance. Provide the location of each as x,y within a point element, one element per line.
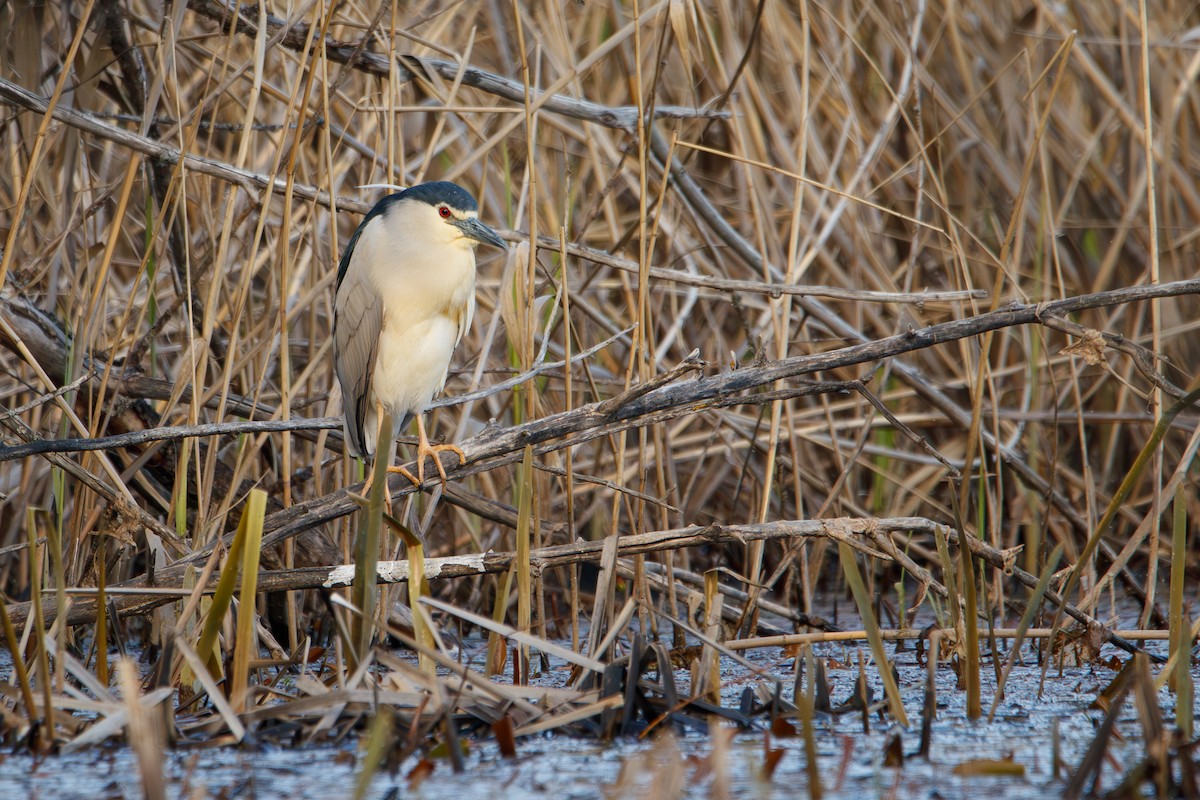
<point>887,198</point>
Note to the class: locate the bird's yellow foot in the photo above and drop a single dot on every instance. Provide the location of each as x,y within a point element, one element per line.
<point>424,450</point>
<point>427,450</point>
<point>434,450</point>
<point>402,471</point>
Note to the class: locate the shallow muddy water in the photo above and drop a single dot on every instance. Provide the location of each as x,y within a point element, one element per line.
<point>556,766</point>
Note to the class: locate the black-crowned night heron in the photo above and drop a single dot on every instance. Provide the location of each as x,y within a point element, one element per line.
<point>405,297</point>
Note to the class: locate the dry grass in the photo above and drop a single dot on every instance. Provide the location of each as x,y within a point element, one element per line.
<point>1018,151</point>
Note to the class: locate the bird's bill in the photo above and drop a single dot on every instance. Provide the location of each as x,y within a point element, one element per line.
<point>474,229</point>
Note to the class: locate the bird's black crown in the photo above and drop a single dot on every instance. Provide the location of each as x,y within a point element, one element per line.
<point>436,192</point>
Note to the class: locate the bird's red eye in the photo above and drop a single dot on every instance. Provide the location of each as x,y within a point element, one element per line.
<point>444,212</point>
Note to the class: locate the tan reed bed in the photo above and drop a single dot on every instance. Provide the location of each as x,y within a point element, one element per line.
<point>892,277</point>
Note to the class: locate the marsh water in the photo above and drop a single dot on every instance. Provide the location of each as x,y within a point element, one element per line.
<point>851,761</point>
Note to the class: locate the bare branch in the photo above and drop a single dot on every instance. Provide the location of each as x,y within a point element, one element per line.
<point>858,533</point>
<point>410,67</point>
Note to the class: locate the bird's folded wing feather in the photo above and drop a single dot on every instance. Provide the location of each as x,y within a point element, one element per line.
<point>356,338</point>
<point>464,315</point>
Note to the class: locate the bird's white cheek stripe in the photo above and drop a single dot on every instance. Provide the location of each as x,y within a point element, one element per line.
<point>397,571</point>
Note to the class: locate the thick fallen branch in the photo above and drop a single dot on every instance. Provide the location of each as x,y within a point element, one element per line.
<point>856,532</point>
<point>499,446</point>
<point>864,535</point>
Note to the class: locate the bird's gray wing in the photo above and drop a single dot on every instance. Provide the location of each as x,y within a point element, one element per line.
<point>358,320</point>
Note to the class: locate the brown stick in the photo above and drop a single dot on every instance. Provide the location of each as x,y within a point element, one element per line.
<point>858,533</point>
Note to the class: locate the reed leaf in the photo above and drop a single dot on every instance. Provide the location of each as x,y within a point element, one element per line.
<point>246,646</point>
<point>222,598</point>
<point>871,625</point>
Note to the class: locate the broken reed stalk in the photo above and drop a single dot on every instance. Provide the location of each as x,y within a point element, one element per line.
<point>100,565</point>
<point>709,673</point>
<point>805,709</point>
<point>58,569</point>
<point>1172,663</point>
<point>604,598</point>
<point>929,705</point>
<point>954,599</point>
<point>863,601</point>
<point>1185,684</point>
<point>497,654</point>
<point>45,732</point>
<point>144,736</point>
<point>14,650</point>
<point>1178,571</point>
<point>968,645</point>
<point>971,668</point>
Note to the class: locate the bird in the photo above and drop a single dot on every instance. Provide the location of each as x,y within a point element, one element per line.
<point>405,296</point>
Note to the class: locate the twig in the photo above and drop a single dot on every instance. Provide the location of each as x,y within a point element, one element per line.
<point>791,639</point>
<point>607,484</point>
<point>916,438</point>
<point>167,434</point>
<point>1091,346</point>
<point>692,363</point>
<point>408,67</point>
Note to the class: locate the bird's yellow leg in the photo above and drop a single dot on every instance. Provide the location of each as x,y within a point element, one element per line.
<point>424,450</point>
<point>387,492</point>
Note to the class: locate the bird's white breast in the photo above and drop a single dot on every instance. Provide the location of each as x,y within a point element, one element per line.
<point>428,289</point>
